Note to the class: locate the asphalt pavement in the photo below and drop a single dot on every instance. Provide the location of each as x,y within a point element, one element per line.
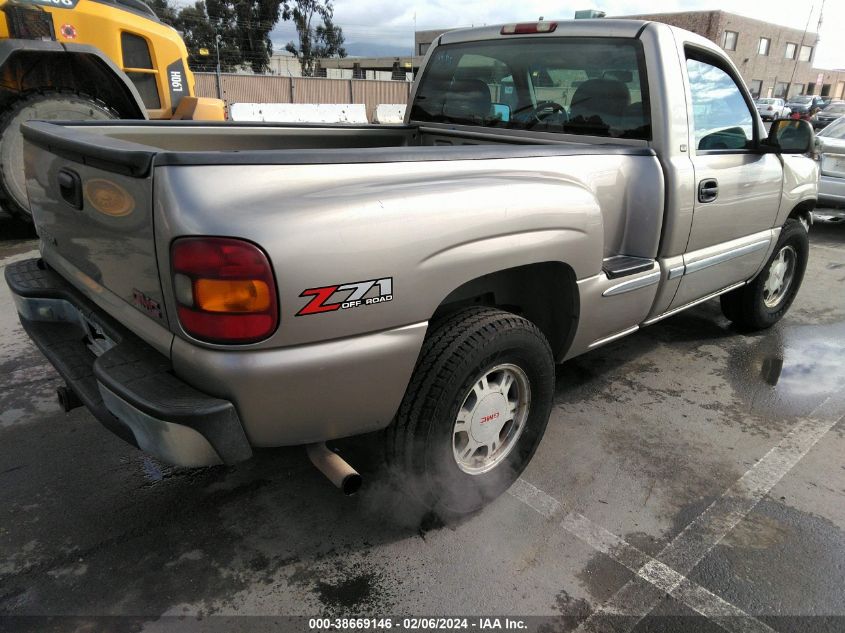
<point>691,478</point>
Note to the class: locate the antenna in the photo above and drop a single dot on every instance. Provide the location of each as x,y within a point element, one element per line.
<point>800,46</point>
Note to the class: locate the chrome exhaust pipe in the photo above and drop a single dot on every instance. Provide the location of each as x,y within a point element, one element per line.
<point>68,400</point>
<point>335,468</point>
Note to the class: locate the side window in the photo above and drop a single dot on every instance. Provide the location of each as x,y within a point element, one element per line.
<point>721,117</point>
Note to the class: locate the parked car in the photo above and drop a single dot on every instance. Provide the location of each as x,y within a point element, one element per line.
<point>825,101</point>
<point>827,115</point>
<point>804,106</point>
<point>830,149</point>
<point>772,109</point>
<point>205,289</point>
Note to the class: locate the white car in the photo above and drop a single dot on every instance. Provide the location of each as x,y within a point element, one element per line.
<point>830,148</point>
<point>772,109</point>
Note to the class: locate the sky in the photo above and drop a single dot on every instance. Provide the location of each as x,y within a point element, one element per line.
<point>386,27</point>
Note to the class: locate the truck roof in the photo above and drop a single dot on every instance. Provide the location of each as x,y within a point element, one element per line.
<point>567,28</point>
<point>604,27</point>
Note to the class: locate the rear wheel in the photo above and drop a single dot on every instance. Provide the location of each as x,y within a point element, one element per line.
<point>475,410</point>
<point>766,298</point>
<point>50,105</point>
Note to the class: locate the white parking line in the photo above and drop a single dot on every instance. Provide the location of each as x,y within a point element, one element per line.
<point>668,569</point>
<point>535,498</point>
<point>666,579</point>
<point>698,538</point>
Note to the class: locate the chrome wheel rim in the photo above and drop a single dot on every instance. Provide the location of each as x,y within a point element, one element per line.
<point>491,419</point>
<point>781,274</point>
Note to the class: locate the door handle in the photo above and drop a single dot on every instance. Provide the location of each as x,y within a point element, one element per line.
<point>708,190</point>
<point>70,188</point>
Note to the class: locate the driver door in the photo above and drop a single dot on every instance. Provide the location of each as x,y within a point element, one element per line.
<point>738,188</point>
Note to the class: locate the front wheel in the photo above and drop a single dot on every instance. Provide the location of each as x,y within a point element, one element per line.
<point>766,298</point>
<point>474,411</point>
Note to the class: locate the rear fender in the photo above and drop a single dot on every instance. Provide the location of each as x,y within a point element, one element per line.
<point>428,227</point>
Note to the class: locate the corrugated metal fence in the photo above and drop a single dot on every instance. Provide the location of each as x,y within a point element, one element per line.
<point>277,89</point>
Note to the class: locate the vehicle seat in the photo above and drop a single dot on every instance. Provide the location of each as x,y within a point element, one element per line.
<point>606,98</point>
<point>468,99</point>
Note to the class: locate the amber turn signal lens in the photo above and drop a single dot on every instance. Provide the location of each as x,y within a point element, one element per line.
<point>224,295</point>
<point>109,198</point>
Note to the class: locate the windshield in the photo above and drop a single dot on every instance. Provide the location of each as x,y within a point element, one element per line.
<point>801,99</point>
<point>592,86</point>
<point>765,101</point>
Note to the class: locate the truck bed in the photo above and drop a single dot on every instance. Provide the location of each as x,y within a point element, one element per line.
<point>134,148</point>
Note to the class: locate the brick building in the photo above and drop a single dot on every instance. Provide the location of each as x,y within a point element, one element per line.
<point>775,61</point>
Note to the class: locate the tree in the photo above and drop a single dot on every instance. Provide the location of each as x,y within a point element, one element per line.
<point>254,21</point>
<point>164,11</point>
<point>201,25</point>
<point>240,27</point>
<point>323,40</point>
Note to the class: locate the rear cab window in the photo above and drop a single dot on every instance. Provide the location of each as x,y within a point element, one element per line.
<point>586,86</point>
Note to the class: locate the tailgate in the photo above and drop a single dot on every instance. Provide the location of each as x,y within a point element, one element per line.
<point>91,200</point>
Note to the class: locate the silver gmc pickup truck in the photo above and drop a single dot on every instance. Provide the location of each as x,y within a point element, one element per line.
<point>205,289</point>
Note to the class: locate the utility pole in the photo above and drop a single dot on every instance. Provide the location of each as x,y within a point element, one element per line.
<point>798,53</point>
<point>414,47</point>
<point>217,39</point>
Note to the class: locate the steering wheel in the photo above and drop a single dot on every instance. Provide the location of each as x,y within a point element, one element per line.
<point>545,109</point>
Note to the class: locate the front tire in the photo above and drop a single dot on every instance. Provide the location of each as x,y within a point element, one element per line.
<point>49,105</point>
<point>765,299</point>
<point>475,410</point>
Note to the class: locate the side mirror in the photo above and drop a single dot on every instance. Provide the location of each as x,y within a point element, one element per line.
<point>791,136</point>
<point>502,112</point>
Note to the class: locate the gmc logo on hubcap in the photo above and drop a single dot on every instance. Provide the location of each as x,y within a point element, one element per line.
<point>487,418</point>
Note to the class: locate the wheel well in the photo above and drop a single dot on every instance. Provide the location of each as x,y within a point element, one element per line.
<point>545,293</point>
<point>803,212</point>
<point>30,70</point>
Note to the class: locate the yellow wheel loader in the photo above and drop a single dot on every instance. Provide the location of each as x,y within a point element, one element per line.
<point>83,60</point>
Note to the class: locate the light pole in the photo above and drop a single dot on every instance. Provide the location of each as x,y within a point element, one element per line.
<point>219,80</point>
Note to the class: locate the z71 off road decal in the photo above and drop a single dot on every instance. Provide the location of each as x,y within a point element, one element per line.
<point>346,296</point>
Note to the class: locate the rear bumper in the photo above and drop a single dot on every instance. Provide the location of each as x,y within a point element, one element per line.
<point>263,397</point>
<point>831,191</point>
<point>126,384</point>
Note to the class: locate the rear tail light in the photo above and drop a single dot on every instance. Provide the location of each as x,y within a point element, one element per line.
<point>225,290</point>
<point>528,28</point>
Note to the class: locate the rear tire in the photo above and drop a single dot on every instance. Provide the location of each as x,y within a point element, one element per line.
<point>765,299</point>
<point>485,379</point>
<point>48,105</point>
